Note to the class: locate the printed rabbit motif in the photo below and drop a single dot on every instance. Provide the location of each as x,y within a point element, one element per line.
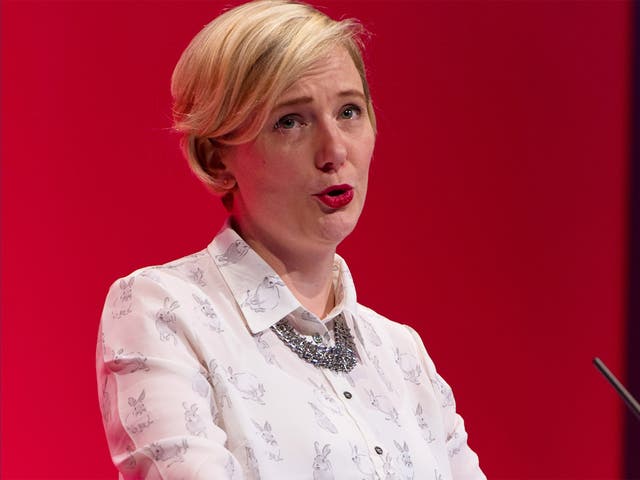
<point>265,349</point>
<point>166,321</point>
<point>172,454</point>
<point>403,461</point>
<point>233,254</point>
<point>324,399</point>
<point>383,376</point>
<point>105,349</point>
<point>252,463</point>
<point>219,385</point>
<point>323,420</point>
<point>453,450</point>
<point>124,363</point>
<point>122,304</point>
<point>444,390</point>
<point>196,275</point>
<point>424,426</point>
<point>248,385</point>
<point>194,423</point>
<point>388,468</point>
<point>207,311</point>
<point>138,417</point>
<point>269,439</point>
<point>369,332</point>
<point>130,462</point>
<point>409,366</point>
<point>199,383</point>
<point>322,469</point>
<point>364,463</point>
<point>265,296</point>
<point>384,405</point>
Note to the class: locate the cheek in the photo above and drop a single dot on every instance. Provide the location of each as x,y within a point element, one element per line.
<point>366,154</point>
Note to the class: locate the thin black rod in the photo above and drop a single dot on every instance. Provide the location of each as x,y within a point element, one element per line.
<point>631,402</point>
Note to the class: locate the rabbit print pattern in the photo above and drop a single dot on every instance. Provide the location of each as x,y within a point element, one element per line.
<point>265,349</point>
<point>409,365</point>
<point>248,385</point>
<point>364,464</point>
<point>322,469</point>
<point>207,312</point>
<point>265,296</point>
<point>219,385</point>
<point>138,418</point>
<point>203,381</point>
<point>399,466</point>
<point>271,444</point>
<point>384,405</point>
<point>169,454</point>
<point>444,390</point>
<point>252,463</point>
<point>194,423</point>
<point>199,382</point>
<point>233,253</point>
<point>123,302</point>
<point>323,420</point>
<point>196,275</point>
<point>166,321</point>
<point>124,363</point>
<point>130,462</point>
<point>424,426</point>
<point>328,402</point>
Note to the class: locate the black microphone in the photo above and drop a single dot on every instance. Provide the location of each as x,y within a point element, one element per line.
<point>631,402</point>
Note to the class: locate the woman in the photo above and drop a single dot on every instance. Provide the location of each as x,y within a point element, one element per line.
<point>252,358</point>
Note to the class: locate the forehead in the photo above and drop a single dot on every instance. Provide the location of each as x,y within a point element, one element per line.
<point>331,74</point>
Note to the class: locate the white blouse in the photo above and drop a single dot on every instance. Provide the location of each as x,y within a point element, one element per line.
<point>195,385</point>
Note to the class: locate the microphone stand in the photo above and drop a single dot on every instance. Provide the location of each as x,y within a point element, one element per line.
<point>631,402</point>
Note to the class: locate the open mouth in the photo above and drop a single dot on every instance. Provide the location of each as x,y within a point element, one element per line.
<point>336,196</point>
<point>336,193</point>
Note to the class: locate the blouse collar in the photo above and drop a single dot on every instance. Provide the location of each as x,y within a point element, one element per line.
<point>262,296</point>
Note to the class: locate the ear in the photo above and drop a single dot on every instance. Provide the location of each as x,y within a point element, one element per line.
<point>211,156</point>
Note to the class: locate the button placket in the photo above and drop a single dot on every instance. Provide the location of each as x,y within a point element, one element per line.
<point>344,388</point>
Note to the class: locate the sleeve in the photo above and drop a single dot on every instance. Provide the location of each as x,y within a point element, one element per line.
<point>157,399</point>
<point>463,461</point>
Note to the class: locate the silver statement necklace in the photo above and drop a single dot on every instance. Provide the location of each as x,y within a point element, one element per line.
<point>339,358</point>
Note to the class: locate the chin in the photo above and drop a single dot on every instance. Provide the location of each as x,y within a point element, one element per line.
<point>336,227</point>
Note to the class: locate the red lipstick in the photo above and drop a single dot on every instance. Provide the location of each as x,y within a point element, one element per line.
<point>336,196</point>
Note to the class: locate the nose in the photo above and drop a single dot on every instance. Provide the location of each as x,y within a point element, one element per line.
<point>331,151</point>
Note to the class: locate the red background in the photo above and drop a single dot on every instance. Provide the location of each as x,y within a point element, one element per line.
<point>495,223</point>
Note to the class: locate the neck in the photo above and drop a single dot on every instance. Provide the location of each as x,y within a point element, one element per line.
<point>306,272</point>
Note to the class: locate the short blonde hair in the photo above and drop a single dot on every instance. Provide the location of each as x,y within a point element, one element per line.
<point>232,73</point>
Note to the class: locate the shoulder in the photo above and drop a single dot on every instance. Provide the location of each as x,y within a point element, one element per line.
<point>190,269</point>
<point>384,324</point>
<point>160,285</point>
<point>396,336</point>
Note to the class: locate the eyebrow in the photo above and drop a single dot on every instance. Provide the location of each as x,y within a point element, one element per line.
<point>306,99</point>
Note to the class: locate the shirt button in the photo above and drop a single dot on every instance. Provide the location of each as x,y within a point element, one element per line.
<point>378,450</point>
<point>347,395</point>
<point>317,338</point>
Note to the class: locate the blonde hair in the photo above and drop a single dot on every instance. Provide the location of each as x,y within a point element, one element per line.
<point>232,73</point>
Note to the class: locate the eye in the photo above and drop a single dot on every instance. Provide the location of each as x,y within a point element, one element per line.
<point>288,122</point>
<point>350,111</point>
